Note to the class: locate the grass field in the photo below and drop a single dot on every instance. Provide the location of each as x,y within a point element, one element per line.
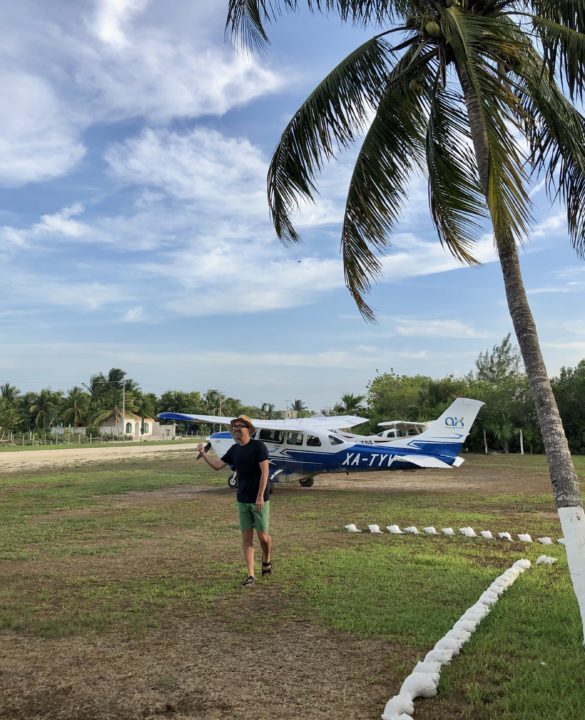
<point>120,596</point>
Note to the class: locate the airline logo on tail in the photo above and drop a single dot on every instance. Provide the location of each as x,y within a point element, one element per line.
<point>454,422</point>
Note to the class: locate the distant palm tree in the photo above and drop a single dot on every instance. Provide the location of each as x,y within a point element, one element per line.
<point>44,407</point>
<point>9,392</point>
<point>75,406</point>
<point>268,410</point>
<point>471,94</point>
<point>350,404</point>
<point>299,408</point>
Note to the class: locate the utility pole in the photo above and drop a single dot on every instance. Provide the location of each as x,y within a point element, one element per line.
<point>123,411</point>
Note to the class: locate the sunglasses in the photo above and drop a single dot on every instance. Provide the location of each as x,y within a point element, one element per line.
<point>239,427</point>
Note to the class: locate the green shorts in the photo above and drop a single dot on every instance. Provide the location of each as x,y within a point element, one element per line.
<point>251,517</point>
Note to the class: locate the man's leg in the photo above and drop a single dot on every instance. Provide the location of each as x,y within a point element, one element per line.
<point>266,544</point>
<point>248,550</point>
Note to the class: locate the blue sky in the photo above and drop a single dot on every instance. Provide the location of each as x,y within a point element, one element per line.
<point>134,229</point>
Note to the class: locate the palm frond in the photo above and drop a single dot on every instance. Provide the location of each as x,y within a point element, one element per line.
<point>329,119</point>
<point>493,108</point>
<point>455,196</point>
<point>555,130</point>
<point>246,19</point>
<point>561,30</point>
<point>392,149</point>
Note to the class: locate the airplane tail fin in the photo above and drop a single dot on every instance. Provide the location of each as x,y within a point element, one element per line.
<point>450,430</point>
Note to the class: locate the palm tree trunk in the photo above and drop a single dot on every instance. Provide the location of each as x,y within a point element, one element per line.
<point>560,464</point>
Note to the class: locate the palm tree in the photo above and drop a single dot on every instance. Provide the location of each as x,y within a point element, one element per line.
<point>350,404</point>
<point>44,407</point>
<point>9,392</point>
<point>451,97</point>
<point>298,407</point>
<point>75,406</point>
<point>268,410</point>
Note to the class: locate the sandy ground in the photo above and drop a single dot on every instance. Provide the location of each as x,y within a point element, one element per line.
<point>38,459</point>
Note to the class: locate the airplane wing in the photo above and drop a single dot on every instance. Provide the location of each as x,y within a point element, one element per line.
<point>320,422</point>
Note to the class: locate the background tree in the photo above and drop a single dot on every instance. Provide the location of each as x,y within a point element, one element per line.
<point>110,395</point>
<point>9,392</point>
<point>44,407</point>
<point>299,407</point>
<point>9,417</point>
<point>75,407</point>
<point>569,389</point>
<point>451,96</point>
<point>350,404</point>
<point>268,410</point>
<point>182,402</point>
<point>502,362</point>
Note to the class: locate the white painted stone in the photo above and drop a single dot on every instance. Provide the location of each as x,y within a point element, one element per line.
<point>545,541</point>
<point>505,536</point>
<point>412,530</point>
<point>468,532</point>
<point>430,666</point>
<point>430,530</point>
<point>375,529</point>
<point>441,656</point>
<point>394,529</point>
<point>398,705</point>
<point>420,685</point>
<point>487,534</point>
<point>524,537</point>
<point>467,625</point>
<point>546,560</point>
<point>351,528</point>
<point>423,681</point>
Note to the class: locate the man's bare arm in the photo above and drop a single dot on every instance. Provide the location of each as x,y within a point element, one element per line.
<point>263,483</point>
<point>213,461</point>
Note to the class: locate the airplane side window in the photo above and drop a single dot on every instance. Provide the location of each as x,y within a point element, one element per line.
<point>335,441</point>
<point>273,436</point>
<point>313,441</point>
<point>294,438</point>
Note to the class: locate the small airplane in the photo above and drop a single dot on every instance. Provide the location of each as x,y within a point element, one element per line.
<point>302,448</point>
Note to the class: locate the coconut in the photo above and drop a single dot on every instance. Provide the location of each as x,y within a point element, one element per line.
<point>433,28</point>
<point>417,87</point>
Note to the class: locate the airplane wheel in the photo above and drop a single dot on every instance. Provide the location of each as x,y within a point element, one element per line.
<point>307,482</point>
<point>233,481</point>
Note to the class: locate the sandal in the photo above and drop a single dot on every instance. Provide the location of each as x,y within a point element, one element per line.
<point>266,568</point>
<point>250,581</point>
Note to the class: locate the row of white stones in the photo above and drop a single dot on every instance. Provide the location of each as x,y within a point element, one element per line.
<point>466,531</point>
<point>423,680</point>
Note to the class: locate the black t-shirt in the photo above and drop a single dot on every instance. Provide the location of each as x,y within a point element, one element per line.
<point>246,460</point>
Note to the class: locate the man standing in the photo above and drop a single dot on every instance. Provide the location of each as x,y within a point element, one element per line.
<point>249,457</point>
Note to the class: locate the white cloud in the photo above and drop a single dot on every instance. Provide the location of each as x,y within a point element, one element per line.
<point>553,225</point>
<point>134,314</point>
<point>225,175</point>
<point>412,257</point>
<point>60,225</point>
<point>38,137</point>
<point>123,59</point>
<point>436,328</point>
<point>111,16</point>
<point>576,327</point>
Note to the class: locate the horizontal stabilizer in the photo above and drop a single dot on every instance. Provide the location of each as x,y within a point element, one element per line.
<point>422,461</point>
